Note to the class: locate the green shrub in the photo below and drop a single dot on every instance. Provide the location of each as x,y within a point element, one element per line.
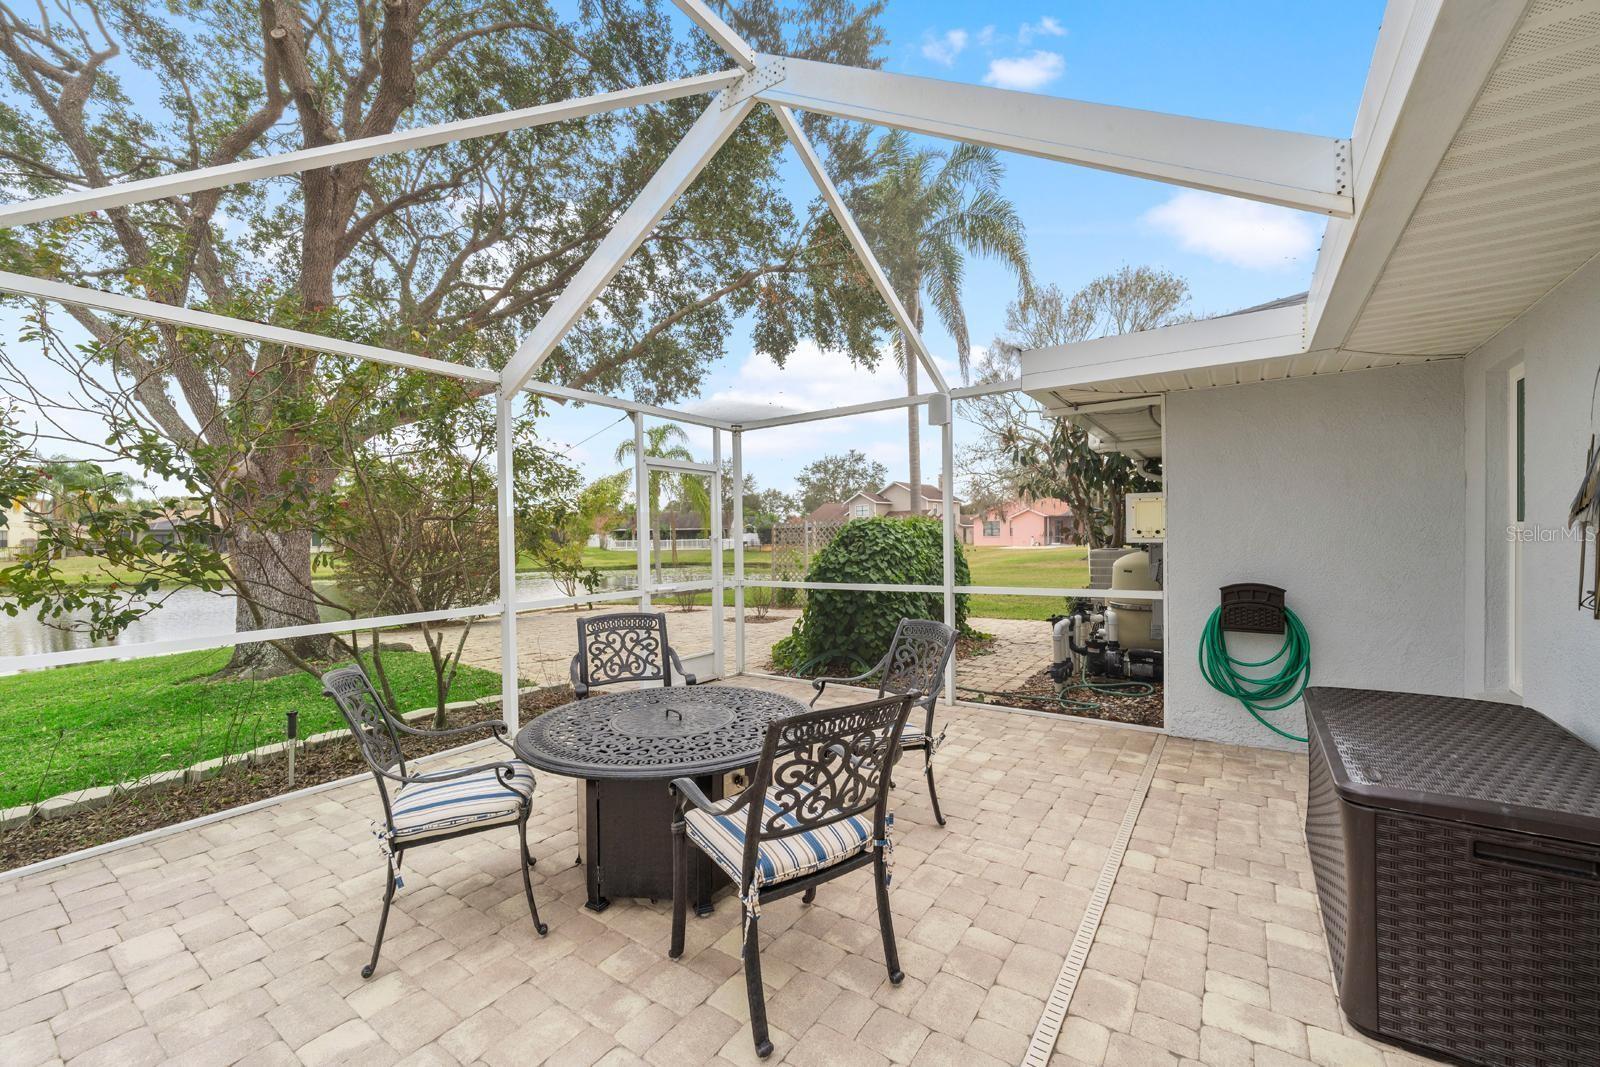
<point>848,632</point>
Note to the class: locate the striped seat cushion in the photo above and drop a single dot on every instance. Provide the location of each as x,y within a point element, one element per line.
<point>430,809</point>
<point>722,838</point>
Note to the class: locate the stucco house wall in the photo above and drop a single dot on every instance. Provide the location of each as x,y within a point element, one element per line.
<point>1557,343</point>
<point>20,530</point>
<point>1020,524</point>
<point>1346,490</point>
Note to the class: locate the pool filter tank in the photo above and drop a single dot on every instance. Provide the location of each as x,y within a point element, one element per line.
<point>1121,641</point>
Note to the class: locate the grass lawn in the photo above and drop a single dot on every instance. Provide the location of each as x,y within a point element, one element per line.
<point>98,723</point>
<point>1062,567</point>
<point>1065,567</point>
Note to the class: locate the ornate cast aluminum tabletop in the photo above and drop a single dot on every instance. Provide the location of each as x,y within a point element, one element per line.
<point>626,747</point>
<point>656,734</point>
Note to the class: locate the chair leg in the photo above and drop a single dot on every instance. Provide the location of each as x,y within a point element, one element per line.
<point>810,895</point>
<point>891,954</point>
<point>383,922</point>
<point>752,985</point>
<point>933,792</point>
<point>680,886</point>
<point>527,880</point>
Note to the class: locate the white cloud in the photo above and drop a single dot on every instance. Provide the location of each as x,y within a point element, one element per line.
<point>1030,72</point>
<point>1047,26</point>
<point>944,48</point>
<point>1241,232</point>
<point>814,380</point>
<point>986,36</point>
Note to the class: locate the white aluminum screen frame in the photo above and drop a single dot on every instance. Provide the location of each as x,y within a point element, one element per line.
<point>1297,170</point>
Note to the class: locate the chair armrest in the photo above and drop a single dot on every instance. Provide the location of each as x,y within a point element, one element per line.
<point>690,794</point>
<point>821,683</point>
<point>502,771</point>
<point>579,690</point>
<point>688,679</point>
<point>494,726</point>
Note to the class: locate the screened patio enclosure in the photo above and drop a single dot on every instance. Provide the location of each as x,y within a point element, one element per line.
<point>1295,170</point>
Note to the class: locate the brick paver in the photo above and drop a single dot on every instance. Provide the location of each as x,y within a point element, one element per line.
<point>241,941</point>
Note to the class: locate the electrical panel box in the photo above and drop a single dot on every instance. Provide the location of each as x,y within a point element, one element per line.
<point>1146,517</point>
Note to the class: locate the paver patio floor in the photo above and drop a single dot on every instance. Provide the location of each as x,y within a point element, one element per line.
<point>242,940</point>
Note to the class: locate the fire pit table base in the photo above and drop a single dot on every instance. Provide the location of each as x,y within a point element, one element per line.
<point>627,843</point>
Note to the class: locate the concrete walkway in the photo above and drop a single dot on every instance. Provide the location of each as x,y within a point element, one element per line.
<point>546,642</point>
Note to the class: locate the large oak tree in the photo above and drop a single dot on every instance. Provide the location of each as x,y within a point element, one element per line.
<point>452,251</point>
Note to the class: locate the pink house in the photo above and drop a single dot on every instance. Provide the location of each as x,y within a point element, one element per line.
<point>1018,524</point>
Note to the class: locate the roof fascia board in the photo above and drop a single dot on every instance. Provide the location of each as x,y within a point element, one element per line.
<point>1430,64</point>
<point>1187,346</point>
<point>1294,170</point>
<point>126,194</point>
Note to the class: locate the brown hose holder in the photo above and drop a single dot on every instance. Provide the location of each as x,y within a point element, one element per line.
<point>1252,608</point>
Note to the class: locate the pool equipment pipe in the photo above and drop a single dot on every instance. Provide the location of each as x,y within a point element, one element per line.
<point>1123,641</point>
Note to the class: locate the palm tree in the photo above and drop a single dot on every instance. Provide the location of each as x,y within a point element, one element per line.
<point>930,210</point>
<point>667,442</point>
<point>75,487</point>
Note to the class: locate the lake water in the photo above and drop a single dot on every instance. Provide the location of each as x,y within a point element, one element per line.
<point>196,613</point>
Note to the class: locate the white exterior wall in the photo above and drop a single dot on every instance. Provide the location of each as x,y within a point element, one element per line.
<point>1558,343</point>
<point>1347,491</point>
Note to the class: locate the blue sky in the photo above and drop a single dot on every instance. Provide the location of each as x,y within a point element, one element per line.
<point>1240,62</point>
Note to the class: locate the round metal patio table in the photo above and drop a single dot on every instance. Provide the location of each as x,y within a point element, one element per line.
<point>626,747</point>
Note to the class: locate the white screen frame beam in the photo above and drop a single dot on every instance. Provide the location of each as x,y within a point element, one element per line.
<point>709,133</point>
<point>172,315</point>
<point>858,242</point>
<point>126,194</point>
<point>1296,170</point>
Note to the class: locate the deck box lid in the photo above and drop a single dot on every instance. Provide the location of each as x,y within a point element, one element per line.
<point>1472,761</point>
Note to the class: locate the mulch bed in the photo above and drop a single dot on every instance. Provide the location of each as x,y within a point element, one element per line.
<point>151,809</point>
<point>1139,710</point>
<point>968,646</point>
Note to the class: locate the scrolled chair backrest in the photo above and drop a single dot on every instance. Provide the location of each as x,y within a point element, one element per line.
<point>623,646</point>
<point>917,657</point>
<point>820,767</point>
<point>368,719</point>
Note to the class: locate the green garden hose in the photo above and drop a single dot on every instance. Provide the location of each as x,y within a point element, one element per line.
<point>1272,692</point>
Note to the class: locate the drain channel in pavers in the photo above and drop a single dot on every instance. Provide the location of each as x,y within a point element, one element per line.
<point>1055,1006</point>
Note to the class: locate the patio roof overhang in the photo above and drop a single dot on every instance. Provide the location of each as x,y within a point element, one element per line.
<point>1473,180</point>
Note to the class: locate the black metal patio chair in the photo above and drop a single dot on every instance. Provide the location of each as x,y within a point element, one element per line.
<point>435,805</point>
<point>624,646</point>
<point>816,808</point>
<point>915,663</point>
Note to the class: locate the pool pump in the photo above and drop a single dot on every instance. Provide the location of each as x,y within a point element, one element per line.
<point>1120,641</point>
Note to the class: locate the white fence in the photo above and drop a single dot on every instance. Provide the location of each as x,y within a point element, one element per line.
<point>619,544</point>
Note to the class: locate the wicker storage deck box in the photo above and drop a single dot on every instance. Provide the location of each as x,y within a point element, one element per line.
<point>1456,845</point>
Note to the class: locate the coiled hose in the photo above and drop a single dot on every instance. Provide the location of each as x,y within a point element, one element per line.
<point>1272,692</point>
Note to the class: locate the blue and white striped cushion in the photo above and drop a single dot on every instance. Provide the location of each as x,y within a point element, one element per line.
<point>423,810</point>
<point>722,838</point>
